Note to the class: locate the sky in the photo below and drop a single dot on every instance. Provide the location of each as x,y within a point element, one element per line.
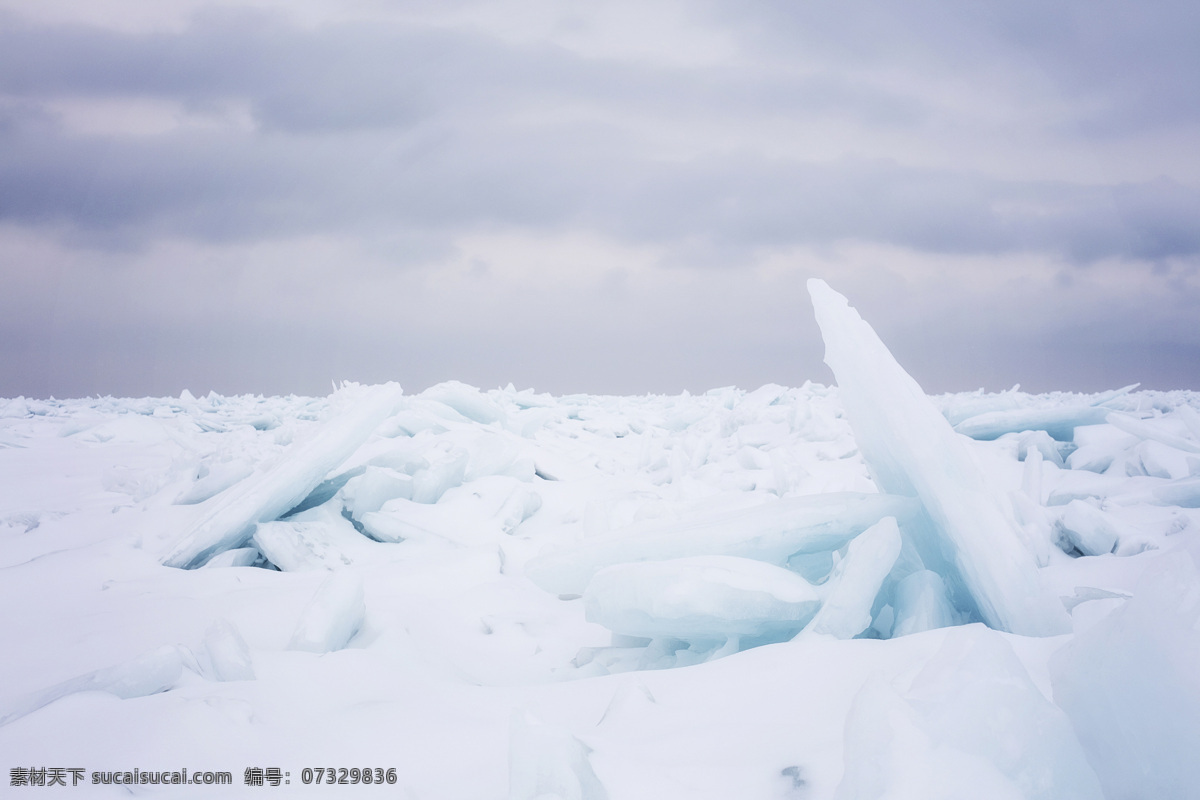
<point>612,197</point>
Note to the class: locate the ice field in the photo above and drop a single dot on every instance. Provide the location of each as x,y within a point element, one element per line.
<point>850,592</point>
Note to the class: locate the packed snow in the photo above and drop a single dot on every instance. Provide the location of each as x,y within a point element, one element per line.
<point>847,592</point>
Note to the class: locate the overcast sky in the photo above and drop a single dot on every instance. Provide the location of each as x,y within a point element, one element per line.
<point>612,197</point>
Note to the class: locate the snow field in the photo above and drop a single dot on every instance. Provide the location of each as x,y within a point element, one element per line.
<point>810,593</point>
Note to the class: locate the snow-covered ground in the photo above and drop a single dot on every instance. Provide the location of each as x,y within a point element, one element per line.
<point>779,593</point>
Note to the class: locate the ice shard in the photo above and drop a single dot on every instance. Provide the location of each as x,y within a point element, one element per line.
<point>546,762</point>
<point>230,521</point>
<point>150,673</point>
<point>228,655</point>
<point>911,450</point>
<point>333,616</point>
<point>846,609</point>
<point>771,532</point>
<point>706,598</point>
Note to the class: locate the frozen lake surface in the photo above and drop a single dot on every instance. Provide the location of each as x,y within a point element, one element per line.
<point>814,592</point>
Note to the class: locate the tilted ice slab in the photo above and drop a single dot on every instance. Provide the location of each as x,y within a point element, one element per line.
<point>1128,685</point>
<point>264,497</point>
<point>856,580</point>
<point>911,450</point>
<point>332,616</point>
<point>770,532</point>
<point>972,724</point>
<point>150,673</point>
<point>701,598</point>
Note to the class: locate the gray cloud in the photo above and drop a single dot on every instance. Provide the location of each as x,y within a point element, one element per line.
<point>829,128</point>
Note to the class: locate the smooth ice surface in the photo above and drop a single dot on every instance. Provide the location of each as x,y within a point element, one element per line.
<point>921,604</point>
<point>227,652</point>
<point>929,743</point>
<point>1090,530</point>
<point>333,615</point>
<point>912,450</point>
<point>700,598</point>
<point>770,532</point>
<point>230,519</point>
<point>846,608</point>
<point>547,762</point>
<point>1129,685</point>
<point>1059,423</point>
<point>147,674</point>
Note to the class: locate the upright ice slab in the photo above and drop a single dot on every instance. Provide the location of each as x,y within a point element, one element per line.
<point>911,450</point>
<point>266,495</point>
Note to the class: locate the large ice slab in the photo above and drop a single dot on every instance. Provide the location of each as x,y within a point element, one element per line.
<point>911,450</point>
<point>227,654</point>
<point>856,580</point>
<point>770,532</point>
<point>1060,422</point>
<point>932,743</point>
<point>332,616</point>
<point>149,673</point>
<point>231,518</point>
<point>546,762</point>
<point>921,604</point>
<point>700,598</point>
<point>1129,686</point>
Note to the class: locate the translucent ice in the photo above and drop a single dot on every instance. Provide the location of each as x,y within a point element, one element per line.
<point>856,580</point>
<point>374,487</point>
<point>700,598</point>
<point>150,673</point>
<point>227,653</point>
<point>232,515</point>
<point>769,532</point>
<point>547,762</point>
<point>930,743</point>
<point>1128,684</point>
<point>467,401</point>
<point>1059,423</point>
<point>296,546</point>
<point>910,448</point>
<point>921,604</point>
<point>333,616</point>
<point>1090,530</point>
<point>238,557</point>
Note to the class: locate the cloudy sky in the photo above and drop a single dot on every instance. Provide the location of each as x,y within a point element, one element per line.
<point>611,197</point>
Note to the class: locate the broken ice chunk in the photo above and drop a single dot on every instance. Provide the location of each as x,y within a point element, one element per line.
<point>263,497</point>
<point>706,598</point>
<point>218,478</point>
<point>769,532</point>
<point>1059,422</point>
<point>846,608</point>
<point>227,653</point>
<point>547,762</point>
<point>1150,431</point>
<point>239,557</point>
<point>1090,530</point>
<point>333,616</point>
<point>296,546</point>
<point>467,401</point>
<point>921,604</point>
<point>150,673</point>
<point>374,487</point>
<point>447,469</point>
<point>972,537</point>
<point>1128,684</point>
